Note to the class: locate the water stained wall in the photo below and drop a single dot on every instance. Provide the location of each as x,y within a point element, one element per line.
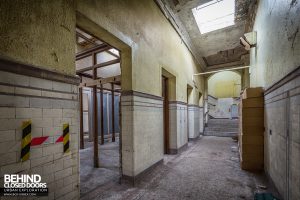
<point>278,41</point>
<point>276,57</point>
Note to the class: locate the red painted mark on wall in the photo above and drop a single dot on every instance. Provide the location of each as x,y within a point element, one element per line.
<point>38,140</point>
<point>46,140</point>
<point>60,139</point>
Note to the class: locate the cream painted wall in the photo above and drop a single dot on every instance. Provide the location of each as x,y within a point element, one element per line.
<point>41,33</point>
<point>153,41</point>
<point>224,84</point>
<point>278,41</point>
<point>278,53</point>
<point>152,49</point>
<point>201,99</point>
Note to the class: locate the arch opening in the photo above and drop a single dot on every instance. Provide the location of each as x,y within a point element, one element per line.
<point>225,84</point>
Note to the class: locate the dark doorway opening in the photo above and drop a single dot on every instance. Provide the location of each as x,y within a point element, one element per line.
<point>165,112</point>
<point>189,93</point>
<point>98,65</point>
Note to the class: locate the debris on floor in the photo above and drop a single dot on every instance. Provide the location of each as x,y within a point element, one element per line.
<point>235,138</point>
<point>92,178</point>
<point>188,175</point>
<point>234,149</point>
<point>263,187</point>
<point>264,196</point>
<point>235,159</point>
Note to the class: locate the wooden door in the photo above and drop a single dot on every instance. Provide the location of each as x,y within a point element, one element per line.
<point>165,113</point>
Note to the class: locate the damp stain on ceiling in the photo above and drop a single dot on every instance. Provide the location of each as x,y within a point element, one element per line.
<point>215,44</point>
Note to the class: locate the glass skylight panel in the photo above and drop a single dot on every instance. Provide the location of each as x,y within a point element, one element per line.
<point>214,15</point>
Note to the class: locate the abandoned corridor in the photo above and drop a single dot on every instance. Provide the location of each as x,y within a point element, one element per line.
<point>208,169</point>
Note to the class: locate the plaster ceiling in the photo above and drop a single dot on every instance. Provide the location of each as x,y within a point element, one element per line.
<point>212,43</point>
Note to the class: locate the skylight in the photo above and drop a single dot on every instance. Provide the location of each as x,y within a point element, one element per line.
<point>214,15</point>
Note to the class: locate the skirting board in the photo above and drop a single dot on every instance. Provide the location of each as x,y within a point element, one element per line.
<point>135,179</point>
<point>196,138</point>
<point>176,151</point>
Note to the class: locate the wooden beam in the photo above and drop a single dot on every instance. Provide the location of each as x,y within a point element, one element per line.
<point>113,111</point>
<point>85,38</point>
<point>89,52</point>
<point>117,83</point>
<point>113,54</point>
<point>85,75</point>
<point>94,43</point>
<point>225,65</point>
<point>107,89</point>
<point>101,81</point>
<point>81,119</point>
<point>96,66</point>
<point>115,90</point>
<point>95,117</point>
<point>102,115</point>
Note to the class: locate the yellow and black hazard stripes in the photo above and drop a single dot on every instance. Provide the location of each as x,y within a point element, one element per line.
<point>66,138</point>
<point>26,140</point>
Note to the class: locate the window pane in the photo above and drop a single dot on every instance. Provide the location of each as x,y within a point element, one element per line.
<point>214,15</point>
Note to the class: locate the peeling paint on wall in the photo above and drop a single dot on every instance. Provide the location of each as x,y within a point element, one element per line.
<point>278,41</point>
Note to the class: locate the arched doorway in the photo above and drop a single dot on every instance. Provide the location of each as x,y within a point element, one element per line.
<point>223,93</point>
